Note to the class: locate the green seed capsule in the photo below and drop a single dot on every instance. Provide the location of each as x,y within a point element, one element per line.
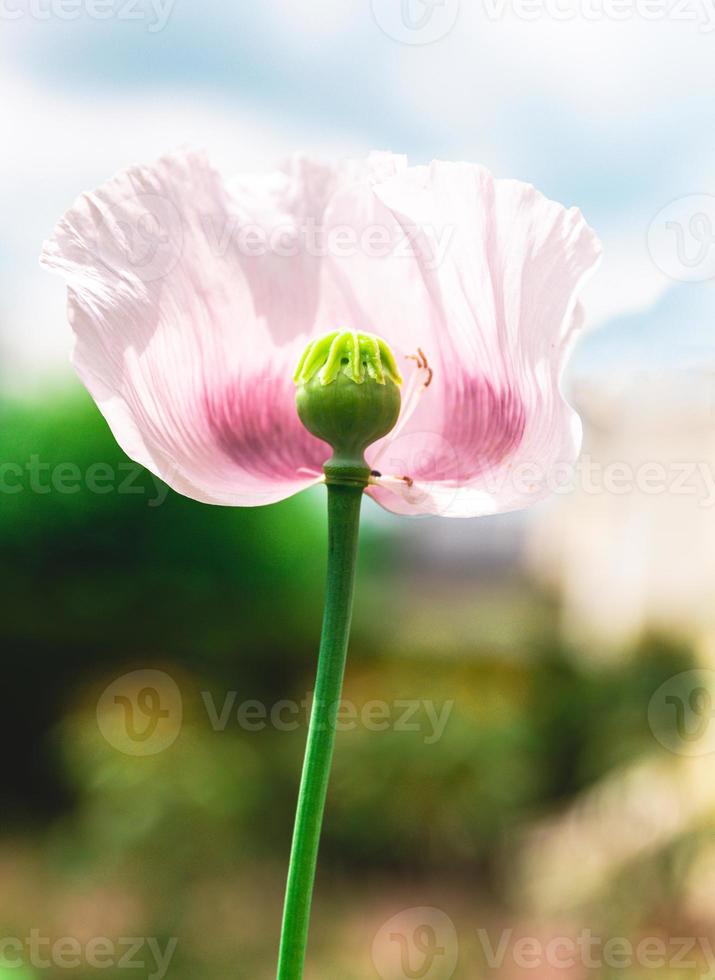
<point>348,395</point>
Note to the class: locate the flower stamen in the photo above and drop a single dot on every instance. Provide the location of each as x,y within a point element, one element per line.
<point>392,483</point>
<point>422,362</point>
<point>419,382</point>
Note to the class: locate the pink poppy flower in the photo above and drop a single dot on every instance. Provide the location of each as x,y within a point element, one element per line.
<point>192,298</point>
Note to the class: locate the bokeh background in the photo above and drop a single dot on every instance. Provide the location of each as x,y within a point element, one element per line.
<point>569,789</point>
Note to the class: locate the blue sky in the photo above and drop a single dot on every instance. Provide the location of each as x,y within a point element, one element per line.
<point>614,116</point>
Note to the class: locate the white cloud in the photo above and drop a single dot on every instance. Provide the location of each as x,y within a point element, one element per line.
<point>505,92</point>
<point>610,70</point>
<point>62,145</point>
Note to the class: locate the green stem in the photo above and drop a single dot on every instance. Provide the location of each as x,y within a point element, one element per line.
<point>343,521</point>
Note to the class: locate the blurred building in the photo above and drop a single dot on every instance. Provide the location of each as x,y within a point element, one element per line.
<point>629,541</point>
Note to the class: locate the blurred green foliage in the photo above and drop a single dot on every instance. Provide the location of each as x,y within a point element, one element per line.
<point>229,600</point>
